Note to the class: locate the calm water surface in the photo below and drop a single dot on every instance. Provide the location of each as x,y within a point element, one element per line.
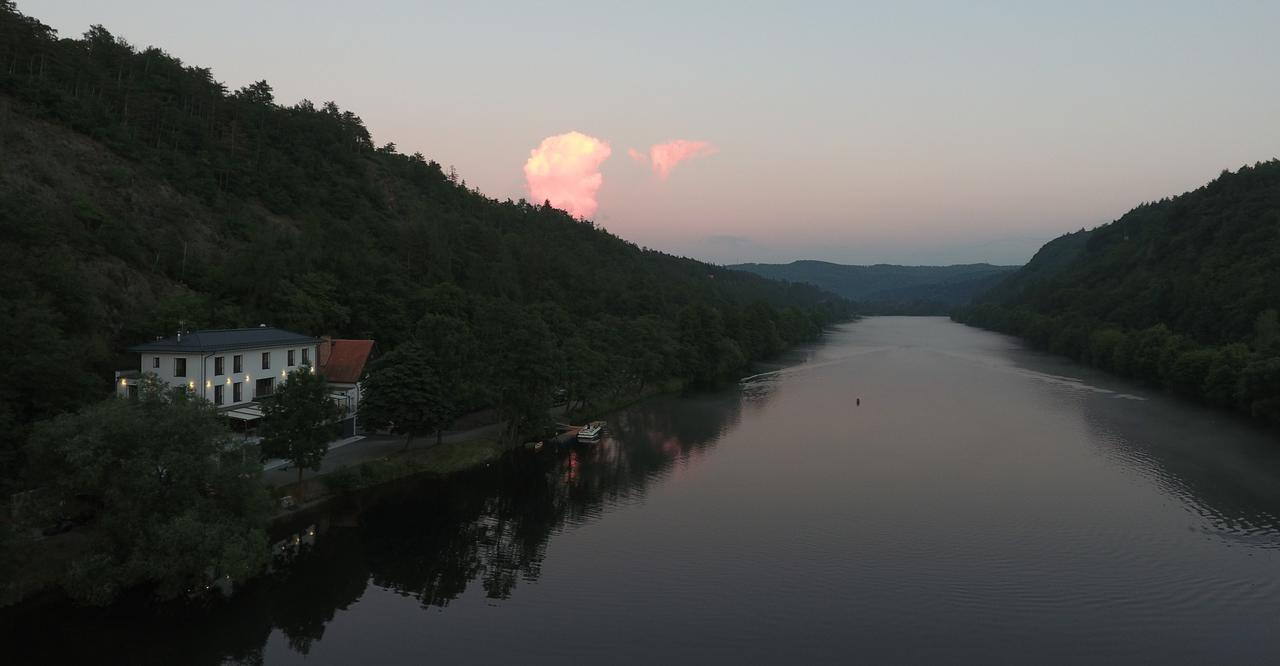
<point>984,503</point>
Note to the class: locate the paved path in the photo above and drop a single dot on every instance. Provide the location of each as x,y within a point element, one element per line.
<point>354,451</point>
<point>276,462</point>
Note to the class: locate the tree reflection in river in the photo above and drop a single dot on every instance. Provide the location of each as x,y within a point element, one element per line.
<point>1211,461</point>
<point>434,539</point>
<point>1216,463</point>
<point>429,539</point>
<point>980,502</point>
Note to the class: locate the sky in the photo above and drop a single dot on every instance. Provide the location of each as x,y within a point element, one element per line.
<point>854,132</point>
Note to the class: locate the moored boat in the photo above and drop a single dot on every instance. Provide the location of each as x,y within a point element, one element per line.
<point>591,432</point>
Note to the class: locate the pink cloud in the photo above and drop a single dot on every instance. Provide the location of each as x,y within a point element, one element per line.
<point>665,156</point>
<point>565,170</point>
<point>637,156</point>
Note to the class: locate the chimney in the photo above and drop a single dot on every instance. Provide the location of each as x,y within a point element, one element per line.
<point>179,335</point>
<point>326,348</point>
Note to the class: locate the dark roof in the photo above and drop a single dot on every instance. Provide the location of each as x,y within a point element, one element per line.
<point>226,338</point>
<point>345,361</point>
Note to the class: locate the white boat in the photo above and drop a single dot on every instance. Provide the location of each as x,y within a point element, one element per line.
<point>591,432</point>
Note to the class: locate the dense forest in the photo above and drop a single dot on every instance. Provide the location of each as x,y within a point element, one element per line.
<point>888,288</point>
<point>138,194</point>
<point>1182,293</point>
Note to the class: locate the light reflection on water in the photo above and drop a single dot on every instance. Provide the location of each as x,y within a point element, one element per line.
<point>983,502</point>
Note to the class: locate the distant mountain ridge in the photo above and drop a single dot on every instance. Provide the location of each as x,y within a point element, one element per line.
<point>1054,257</point>
<point>891,288</point>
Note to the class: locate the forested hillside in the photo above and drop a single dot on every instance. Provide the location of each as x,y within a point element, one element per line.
<point>890,289</point>
<point>138,193</point>
<point>1182,292</point>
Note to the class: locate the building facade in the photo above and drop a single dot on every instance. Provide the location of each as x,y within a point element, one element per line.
<point>227,367</point>
<point>343,363</point>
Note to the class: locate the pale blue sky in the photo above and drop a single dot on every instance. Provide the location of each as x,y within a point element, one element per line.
<point>852,132</point>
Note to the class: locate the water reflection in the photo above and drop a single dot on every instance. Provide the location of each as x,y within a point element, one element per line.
<point>1224,474</point>
<point>427,539</point>
<point>1218,465</point>
<point>911,490</point>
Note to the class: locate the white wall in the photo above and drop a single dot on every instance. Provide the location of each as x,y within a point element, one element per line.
<point>203,381</point>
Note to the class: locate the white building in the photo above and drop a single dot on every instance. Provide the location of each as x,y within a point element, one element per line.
<point>228,367</point>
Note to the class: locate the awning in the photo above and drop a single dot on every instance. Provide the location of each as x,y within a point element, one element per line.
<point>246,413</point>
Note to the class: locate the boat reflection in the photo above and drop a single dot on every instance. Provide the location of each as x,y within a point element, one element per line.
<point>428,539</point>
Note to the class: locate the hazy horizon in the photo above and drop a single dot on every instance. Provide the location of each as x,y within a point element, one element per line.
<point>922,134</point>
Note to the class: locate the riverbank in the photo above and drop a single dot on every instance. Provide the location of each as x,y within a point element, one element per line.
<point>437,460</point>
<point>45,562</point>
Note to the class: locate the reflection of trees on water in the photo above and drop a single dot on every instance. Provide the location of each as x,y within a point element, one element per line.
<point>428,539</point>
<point>1223,470</point>
<point>299,599</point>
<point>498,521</point>
<point>431,545</point>
<point>1218,466</point>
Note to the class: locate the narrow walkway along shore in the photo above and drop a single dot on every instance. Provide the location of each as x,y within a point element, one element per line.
<point>368,460</point>
<point>276,463</point>
<point>366,448</point>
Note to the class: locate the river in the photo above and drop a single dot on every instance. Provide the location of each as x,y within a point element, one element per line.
<point>983,503</point>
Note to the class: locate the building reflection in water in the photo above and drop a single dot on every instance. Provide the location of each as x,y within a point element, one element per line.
<point>428,539</point>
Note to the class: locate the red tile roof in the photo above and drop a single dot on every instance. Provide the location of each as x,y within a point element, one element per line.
<point>344,363</point>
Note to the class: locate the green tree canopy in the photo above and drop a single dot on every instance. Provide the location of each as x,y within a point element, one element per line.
<point>405,394</point>
<point>299,420</point>
<point>1180,293</point>
<point>222,208</point>
<point>521,361</point>
<point>176,507</point>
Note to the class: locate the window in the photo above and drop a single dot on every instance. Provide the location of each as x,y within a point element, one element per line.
<point>266,360</point>
<point>155,362</point>
<point>179,366</point>
<point>217,394</point>
<point>264,387</point>
<point>235,364</point>
<point>218,365</point>
<point>235,391</point>
<point>306,356</point>
<point>290,358</point>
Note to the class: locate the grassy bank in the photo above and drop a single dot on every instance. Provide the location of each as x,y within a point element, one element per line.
<point>436,461</point>
<point>444,459</point>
